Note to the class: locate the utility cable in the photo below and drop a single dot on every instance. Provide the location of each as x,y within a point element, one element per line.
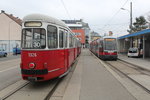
<point>65,8</point>
<point>115,14</point>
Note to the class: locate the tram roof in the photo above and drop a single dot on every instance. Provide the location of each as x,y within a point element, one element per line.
<point>45,18</point>
<point>147,31</point>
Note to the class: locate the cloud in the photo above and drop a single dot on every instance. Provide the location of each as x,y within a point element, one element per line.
<point>98,13</point>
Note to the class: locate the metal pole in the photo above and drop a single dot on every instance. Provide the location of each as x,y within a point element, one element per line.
<point>143,47</point>
<point>130,17</point>
<point>131,40</point>
<point>124,46</point>
<point>131,24</point>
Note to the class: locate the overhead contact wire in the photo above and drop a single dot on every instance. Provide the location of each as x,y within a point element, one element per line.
<point>65,8</point>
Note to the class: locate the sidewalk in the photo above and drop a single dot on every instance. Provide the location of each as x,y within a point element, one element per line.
<point>92,81</point>
<point>144,63</point>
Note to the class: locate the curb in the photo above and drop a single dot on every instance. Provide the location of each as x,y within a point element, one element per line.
<point>134,64</point>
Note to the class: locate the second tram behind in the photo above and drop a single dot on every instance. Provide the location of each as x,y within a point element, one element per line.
<point>48,48</point>
<point>105,48</point>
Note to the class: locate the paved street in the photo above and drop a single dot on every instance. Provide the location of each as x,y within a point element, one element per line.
<point>9,71</point>
<point>9,57</point>
<point>91,81</point>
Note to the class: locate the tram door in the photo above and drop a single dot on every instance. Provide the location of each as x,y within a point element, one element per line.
<point>66,49</point>
<point>71,50</point>
<point>63,46</point>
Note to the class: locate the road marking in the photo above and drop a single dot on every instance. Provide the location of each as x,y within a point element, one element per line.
<point>9,69</point>
<point>8,61</point>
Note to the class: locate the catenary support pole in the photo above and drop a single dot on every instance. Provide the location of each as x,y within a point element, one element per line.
<point>143,47</point>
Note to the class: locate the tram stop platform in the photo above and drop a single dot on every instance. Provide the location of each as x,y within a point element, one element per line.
<point>92,81</point>
<point>140,62</point>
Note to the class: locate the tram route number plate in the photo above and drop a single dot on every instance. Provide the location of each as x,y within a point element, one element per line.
<point>32,78</point>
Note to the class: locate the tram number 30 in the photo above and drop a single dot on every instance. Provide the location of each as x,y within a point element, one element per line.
<point>36,44</point>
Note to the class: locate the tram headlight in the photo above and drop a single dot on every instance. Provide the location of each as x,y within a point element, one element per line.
<point>32,65</point>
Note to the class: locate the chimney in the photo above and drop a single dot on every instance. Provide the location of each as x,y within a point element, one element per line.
<point>11,14</point>
<point>2,11</point>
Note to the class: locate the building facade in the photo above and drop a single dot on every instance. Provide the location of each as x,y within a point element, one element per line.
<point>140,40</point>
<point>94,36</point>
<point>80,28</point>
<point>80,34</point>
<point>10,31</point>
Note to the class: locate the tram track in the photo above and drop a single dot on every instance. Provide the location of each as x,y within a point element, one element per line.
<point>132,70</point>
<point>10,90</point>
<point>28,90</point>
<point>13,92</point>
<point>33,90</point>
<point>143,70</point>
<point>128,70</point>
<point>53,89</point>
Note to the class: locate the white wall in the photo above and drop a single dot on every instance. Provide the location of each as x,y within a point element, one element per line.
<point>9,29</point>
<point>10,33</point>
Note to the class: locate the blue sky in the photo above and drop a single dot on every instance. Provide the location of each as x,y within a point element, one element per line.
<point>102,15</point>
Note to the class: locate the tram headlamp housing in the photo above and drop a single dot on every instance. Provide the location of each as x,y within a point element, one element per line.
<point>32,65</point>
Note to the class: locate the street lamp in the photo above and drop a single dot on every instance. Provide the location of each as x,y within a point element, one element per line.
<point>130,26</point>
<point>130,11</point>
<point>125,9</point>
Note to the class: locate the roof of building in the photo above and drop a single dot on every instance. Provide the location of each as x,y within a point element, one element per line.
<point>76,23</point>
<point>95,34</point>
<point>72,21</point>
<point>16,19</point>
<point>147,31</point>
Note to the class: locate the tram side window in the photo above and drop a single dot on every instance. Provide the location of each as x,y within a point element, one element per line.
<point>101,46</point>
<point>27,38</point>
<point>66,38</point>
<point>70,40</point>
<point>61,39</point>
<point>74,42</point>
<point>52,37</point>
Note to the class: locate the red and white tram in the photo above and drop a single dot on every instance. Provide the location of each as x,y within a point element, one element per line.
<point>48,48</point>
<point>105,48</point>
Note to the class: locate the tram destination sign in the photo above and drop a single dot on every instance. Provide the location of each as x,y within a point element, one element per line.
<point>109,39</point>
<point>33,24</point>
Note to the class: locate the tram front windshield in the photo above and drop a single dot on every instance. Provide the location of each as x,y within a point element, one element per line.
<point>33,38</point>
<point>110,44</point>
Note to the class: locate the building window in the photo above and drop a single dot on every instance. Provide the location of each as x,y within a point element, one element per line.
<point>77,33</point>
